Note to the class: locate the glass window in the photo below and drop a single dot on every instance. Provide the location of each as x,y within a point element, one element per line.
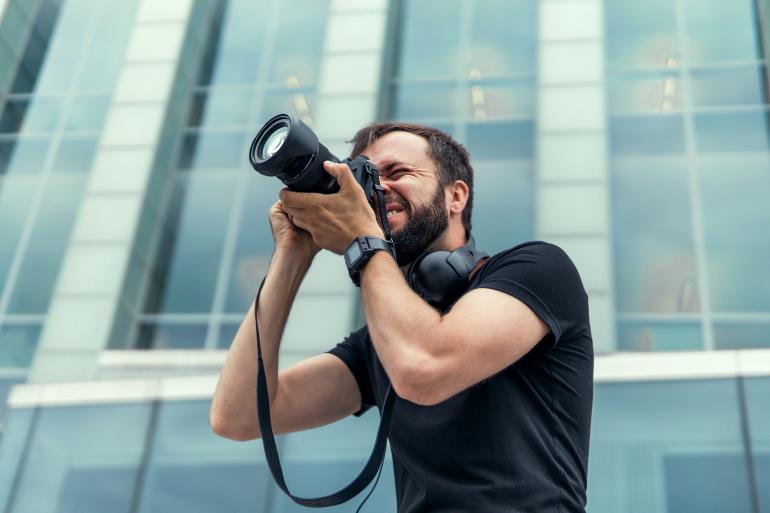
<point>75,154</point>
<point>640,34</point>
<point>23,155</point>
<point>646,135</point>
<point>227,332</point>
<point>192,470</point>
<point>83,459</point>
<point>67,43</point>
<point>425,100</point>
<point>737,242</point>
<point>655,269</point>
<point>430,46</point>
<point>757,392</point>
<point>498,47</point>
<point>667,446</point>
<point>732,132</point>
<point>169,335</point>
<point>500,140</point>
<point>45,252</point>
<point>87,113</point>
<point>6,383</point>
<point>673,335</point>
<point>649,92</point>
<point>13,116</point>
<point>221,108</point>
<point>297,52</point>
<point>733,85</point>
<point>721,31</point>
<point>16,430</point>
<point>43,115</point>
<point>214,150</point>
<point>16,198</point>
<point>18,344</point>
<point>741,335</point>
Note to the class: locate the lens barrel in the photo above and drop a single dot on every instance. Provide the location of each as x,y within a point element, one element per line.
<point>287,148</point>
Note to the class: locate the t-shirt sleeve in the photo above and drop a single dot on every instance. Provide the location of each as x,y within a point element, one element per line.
<point>352,350</point>
<point>543,277</point>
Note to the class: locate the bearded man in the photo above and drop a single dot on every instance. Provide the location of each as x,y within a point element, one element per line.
<point>494,391</point>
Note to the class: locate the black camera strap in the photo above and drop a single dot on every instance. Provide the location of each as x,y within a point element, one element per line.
<point>271,451</point>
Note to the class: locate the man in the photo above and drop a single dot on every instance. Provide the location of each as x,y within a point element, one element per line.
<point>494,395</point>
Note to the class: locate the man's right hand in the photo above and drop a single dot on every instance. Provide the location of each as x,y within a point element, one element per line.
<point>288,236</point>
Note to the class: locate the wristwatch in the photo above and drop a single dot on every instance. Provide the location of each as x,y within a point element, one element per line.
<point>360,251</point>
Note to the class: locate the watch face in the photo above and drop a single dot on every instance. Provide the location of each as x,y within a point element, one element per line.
<point>353,253</point>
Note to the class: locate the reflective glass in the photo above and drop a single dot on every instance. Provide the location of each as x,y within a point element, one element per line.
<point>737,241</point>
<point>503,36</point>
<point>741,335</point>
<point>23,155</point>
<point>734,85</point>
<point>214,150</point>
<point>757,392</point>
<point>16,430</point>
<point>16,193</point>
<point>43,115</point>
<point>75,154</point>
<point>640,34</point>
<point>429,45</point>
<point>667,447</point>
<point>650,91</point>
<point>220,107</point>
<point>36,49</point>
<point>192,470</point>
<point>169,335</point>
<point>721,31</point>
<point>646,135</point>
<point>67,42</point>
<point>190,271</point>
<point>87,113</point>
<point>654,259</point>
<point>6,384</point>
<point>237,58</point>
<point>300,101</point>
<point>227,332</point>
<point>12,116</point>
<point>500,140</point>
<point>732,131</point>
<point>425,100</point>
<point>18,344</point>
<point>491,99</point>
<point>502,205</point>
<point>83,459</point>
<point>299,43</point>
<point>254,247</point>
<point>659,336</point>
<point>47,244</point>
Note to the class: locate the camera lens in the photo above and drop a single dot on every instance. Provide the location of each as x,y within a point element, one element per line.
<point>287,148</point>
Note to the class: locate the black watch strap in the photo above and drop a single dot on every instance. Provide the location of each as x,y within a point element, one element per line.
<point>360,251</point>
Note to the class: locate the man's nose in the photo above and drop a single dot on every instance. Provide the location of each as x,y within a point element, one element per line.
<point>385,184</point>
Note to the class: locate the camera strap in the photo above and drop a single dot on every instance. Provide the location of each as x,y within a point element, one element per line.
<point>366,475</point>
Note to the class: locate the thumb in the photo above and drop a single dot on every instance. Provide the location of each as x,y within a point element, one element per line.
<point>341,172</point>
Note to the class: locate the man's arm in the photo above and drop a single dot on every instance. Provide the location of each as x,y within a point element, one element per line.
<point>309,394</point>
<point>430,357</point>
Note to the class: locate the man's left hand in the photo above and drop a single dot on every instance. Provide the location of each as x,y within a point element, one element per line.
<point>333,220</point>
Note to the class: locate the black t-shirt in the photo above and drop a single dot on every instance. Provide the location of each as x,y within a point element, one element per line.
<point>517,441</point>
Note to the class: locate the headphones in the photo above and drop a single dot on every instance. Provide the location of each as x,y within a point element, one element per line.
<point>441,277</point>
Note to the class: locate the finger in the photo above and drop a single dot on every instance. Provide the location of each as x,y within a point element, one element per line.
<point>298,200</point>
<point>341,172</point>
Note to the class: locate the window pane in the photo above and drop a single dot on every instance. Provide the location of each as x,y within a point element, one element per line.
<point>16,426</point>
<point>734,85</point>
<point>23,155</point>
<point>45,253</point>
<point>667,446</point>
<point>43,115</point>
<point>499,99</point>
<point>504,33</point>
<point>6,384</point>
<point>66,45</point>
<point>757,392</point>
<point>721,31</point>
<point>640,34</point>
<point>297,52</point>
<point>16,196</point>
<point>644,92</point>
<point>646,135</point>
<point>741,335</point>
<point>732,132</point>
<point>168,335</point>
<point>659,336</point>
<point>501,140</point>
<point>429,45</point>
<point>83,459</point>
<point>227,333</point>
<point>87,113</point>
<point>431,100</point>
<point>654,258</point>
<point>13,116</point>
<point>75,154</point>
<point>18,344</point>
<point>221,108</point>
<point>736,215</point>
<point>238,57</point>
<point>192,470</point>
<point>214,150</point>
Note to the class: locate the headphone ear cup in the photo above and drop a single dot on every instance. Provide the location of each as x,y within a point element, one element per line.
<point>435,280</point>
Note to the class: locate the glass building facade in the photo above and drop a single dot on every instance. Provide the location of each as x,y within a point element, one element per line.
<point>133,232</point>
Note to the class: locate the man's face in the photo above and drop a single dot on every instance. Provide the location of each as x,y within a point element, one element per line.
<point>415,202</point>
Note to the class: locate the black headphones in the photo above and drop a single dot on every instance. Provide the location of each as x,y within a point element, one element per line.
<point>441,277</point>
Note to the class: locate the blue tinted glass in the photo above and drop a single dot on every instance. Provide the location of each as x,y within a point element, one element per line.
<point>429,44</point>
<point>190,270</point>
<point>732,131</point>
<point>650,91</point>
<point>237,59</point>
<point>87,113</point>
<point>502,205</point>
<point>721,31</point>
<point>214,150</point>
<point>673,443</point>
<point>429,100</point>
<point>297,52</point>
<point>45,252</point>
<point>18,344</point>
<point>6,384</point>
<point>16,196</point>
<point>741,335</point>
<point>646,135</point>
<point>16,430</point>
<point>43,115</point>
<point>227,333</point>
<point>736,215</point>
<point>12,116</point>
<point>23,155</point>
<point>83,459</point>
<point>655,269</point>
<point>659,336</point>
<point>734,85</point>
<point>301,101</point>
<point>168,335</point>
<point>757,392</point>
<point>75,154</point>
<point>500,140</point>
<point>504,35</point>
<point>192,470</point>
<point>490,99</point>
<point>223,108</point>
<point>67,43</point>
<point>640,34</point>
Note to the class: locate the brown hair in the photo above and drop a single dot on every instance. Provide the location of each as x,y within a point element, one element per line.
<point>451,158</point>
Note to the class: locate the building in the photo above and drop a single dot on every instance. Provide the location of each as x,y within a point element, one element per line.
<point>133,233</point>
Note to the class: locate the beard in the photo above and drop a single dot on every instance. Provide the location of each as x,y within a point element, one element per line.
<point>424,225</point>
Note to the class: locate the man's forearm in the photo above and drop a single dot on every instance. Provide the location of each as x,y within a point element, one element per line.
<point>233,407</point>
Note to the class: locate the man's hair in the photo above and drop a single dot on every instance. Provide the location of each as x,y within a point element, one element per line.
<point>451,158</point>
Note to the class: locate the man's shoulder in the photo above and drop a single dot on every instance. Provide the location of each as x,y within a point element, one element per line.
<point>536,251</point>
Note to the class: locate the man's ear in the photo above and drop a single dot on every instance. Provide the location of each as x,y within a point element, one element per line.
<point>457,196</point>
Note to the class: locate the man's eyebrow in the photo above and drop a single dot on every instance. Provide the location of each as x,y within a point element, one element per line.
<point>388,168</point>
